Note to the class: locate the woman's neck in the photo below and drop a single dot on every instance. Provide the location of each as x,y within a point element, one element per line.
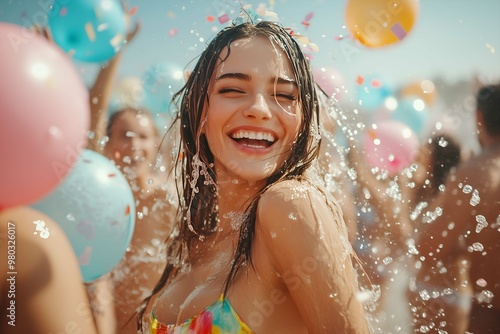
<point>234,198</point>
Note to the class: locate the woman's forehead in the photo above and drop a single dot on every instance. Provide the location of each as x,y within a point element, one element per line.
<point>255,54</point>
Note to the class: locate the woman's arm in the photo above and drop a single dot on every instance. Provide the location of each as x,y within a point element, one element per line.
<point>308,237</point>
<point>47,291</point>
<point>100,94</point>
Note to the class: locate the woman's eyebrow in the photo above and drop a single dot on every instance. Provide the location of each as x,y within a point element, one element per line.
<point>281,80</point>
<point>232,75</point>
<point>246,77</point>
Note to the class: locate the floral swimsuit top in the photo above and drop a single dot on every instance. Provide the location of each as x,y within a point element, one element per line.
<point>218,318</point>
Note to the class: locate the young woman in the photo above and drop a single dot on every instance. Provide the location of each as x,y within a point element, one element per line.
<point>260,246</point>
<point>133,144</point>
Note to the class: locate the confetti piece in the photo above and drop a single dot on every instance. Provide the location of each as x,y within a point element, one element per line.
<point>375,83</point>
<point>84,259</point>
<point>127,210</point>
<point>102,27</point>
<point>341,37</point>
<point>86,229</point>
<point>173,32</point>
<point>223,18</point>
<point>360,80</point>
<point>306,23</point>
<point>117,40</point>
<point>309,16</point>
<point>111,175</point>
<point>133,10</point>
<point>89,30</point>
<point>210,18</point>
<point>398,30</point>
<point>63,11</point>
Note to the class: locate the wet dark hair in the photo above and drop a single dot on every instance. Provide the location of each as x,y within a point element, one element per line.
<point>198,211</point>
<point>488,104</point>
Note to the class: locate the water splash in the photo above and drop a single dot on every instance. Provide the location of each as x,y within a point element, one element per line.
<point>481,223</point>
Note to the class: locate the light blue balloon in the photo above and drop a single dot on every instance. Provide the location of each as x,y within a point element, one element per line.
<point>160,83</point>
<point>407,113</point>
<point>372,93</point>
<point>91,30</point>
<point>94,205</point>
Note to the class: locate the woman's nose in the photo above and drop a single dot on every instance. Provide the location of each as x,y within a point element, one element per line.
<point>259,108</point>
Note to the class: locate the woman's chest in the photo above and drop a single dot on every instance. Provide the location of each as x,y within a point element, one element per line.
<point>194,288</point>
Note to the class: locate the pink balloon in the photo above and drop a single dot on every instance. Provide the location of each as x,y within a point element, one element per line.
<point>330,81</point>
<point>391,146</point>
<point>44,116</point>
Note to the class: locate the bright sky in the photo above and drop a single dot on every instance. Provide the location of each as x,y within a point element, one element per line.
<point>451,38</point>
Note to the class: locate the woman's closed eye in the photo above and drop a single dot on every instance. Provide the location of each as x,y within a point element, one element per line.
<point>231,90</point>
<point>284,95</point>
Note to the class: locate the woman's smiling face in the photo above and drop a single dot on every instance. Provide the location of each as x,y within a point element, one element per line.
<point>253,115</point>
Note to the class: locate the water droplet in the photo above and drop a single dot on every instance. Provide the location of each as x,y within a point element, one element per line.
<point>467,189</point>
<point>481,223</point>
<point>481,282</point>
<point>292,216</point>
<point>476,247</point>
<point>443,142</point>
<point>485,296</point>
<point>475,199</point>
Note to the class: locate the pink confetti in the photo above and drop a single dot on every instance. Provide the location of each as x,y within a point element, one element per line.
<point>173,32</point>
<point>360,80</point>
<point>63,11</point>
<point>376,83</point>
<point>398,31</point>
<point>210,18</point>
<point>111,175</point>
<point>84,259</point>
<point>223,18</point>
<point>86,229</point>
<point>133,10</point>
<point>309,16</point>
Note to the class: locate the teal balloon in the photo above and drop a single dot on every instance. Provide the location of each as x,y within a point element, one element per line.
<point>90,30</point>
<point>408,114</point>
<point>160,83</point>
<point>372,92</point>
<point>94,205</point>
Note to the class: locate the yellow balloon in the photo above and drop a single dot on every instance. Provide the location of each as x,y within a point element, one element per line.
<point>377,23</point>
<point>423,89</point>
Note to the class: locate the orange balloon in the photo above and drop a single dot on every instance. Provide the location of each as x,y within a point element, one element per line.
<point>377,23</point>
<point>423,89</point>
